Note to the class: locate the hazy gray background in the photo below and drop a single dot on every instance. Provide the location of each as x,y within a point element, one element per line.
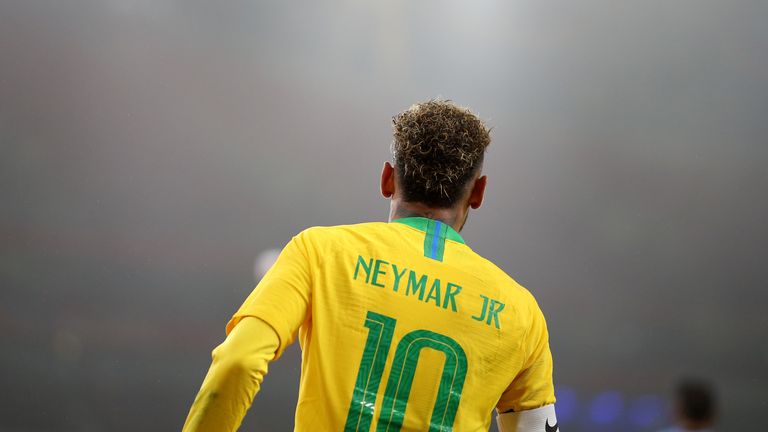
<point>151,149</point>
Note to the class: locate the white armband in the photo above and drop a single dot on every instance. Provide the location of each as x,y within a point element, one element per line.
<point>536,420</point>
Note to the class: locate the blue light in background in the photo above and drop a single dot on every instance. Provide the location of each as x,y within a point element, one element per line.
<point>566,404</point>
<point>646,411</point>
<point>606,407</point>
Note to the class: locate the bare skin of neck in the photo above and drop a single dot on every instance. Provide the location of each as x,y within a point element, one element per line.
<point>455,217</point>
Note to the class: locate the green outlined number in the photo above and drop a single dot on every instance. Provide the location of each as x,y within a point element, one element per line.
<point>380,331</point>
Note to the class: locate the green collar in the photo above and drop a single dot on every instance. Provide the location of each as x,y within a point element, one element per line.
<point>422,224</point>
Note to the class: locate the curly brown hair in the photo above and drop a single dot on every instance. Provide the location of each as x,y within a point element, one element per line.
<point>437,148</point>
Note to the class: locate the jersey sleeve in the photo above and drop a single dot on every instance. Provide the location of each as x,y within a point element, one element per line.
<point>237,369</point>
<point>282,297</point>
<point>532,387</point>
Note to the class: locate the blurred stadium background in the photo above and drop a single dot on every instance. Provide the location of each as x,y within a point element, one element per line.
<point>151,150</point>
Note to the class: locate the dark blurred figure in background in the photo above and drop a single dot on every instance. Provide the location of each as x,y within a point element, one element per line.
<point>695,406</point>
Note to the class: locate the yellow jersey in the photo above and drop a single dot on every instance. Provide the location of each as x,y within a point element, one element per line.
<point>402,327</point>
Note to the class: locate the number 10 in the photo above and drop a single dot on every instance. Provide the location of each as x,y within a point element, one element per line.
<point>380,331</point>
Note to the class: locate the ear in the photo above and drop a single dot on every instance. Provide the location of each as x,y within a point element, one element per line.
<point>388,180</point>
<point>478,192</point>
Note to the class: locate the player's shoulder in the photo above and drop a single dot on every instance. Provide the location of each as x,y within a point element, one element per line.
<point>336,230</point>
<point>510,287</point>
<point>329,235</point>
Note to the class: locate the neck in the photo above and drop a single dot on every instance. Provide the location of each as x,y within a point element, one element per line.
<point>454,217</point>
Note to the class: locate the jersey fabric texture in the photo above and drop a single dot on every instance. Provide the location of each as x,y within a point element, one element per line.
<point>402,327</point>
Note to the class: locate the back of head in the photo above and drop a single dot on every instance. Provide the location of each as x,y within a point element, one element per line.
<point>438,148</point>
<point>696,403</point>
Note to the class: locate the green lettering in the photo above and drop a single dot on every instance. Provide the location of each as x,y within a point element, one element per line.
<point>434,292</point>
<point>414,285</point>
<point>398,275</point>
<point>366,268</point>
<point>377,271</point>
<point>450,295</point>
<point>493,312</point>
<point>485,308</point>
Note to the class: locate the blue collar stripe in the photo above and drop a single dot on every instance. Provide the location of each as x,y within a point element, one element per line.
<point>435,239</point>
